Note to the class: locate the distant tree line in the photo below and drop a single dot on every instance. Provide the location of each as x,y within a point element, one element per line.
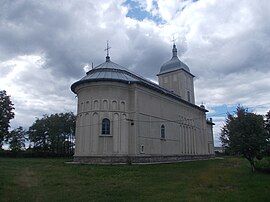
<point>51,135</point>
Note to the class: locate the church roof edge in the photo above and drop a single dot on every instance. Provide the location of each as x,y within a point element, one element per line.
<point>110,71</point>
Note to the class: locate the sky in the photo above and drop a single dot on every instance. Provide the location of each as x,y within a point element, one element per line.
<point>45,46</point>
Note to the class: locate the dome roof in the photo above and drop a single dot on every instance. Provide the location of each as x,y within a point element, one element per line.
<point>108,71</point>
<point>173,64</point>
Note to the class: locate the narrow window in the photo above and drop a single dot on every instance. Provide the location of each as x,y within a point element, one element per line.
<point>188,96</point>
<point>142,149</point>
<point>162,131</point>
<point>105,127</point>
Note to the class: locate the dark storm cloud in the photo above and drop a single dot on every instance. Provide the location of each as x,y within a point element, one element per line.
<point>146,55</point>
<point>70,35</point>
<point>47,28</point>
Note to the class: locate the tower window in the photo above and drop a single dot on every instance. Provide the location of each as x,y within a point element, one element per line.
<point>142,149</point>
<point>105,127</point>
<point>162,131</point>
<point>188,96</point>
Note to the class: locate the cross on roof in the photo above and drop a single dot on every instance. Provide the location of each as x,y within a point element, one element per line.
<point>174,39</point>
<point>107,48</point>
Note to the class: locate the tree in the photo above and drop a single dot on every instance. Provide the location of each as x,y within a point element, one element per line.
<point>267,127</point>
<point>6,114</point>
<point>245,134</point>
<point>16,139</point>
<point>54,134</point>
<point>267,121</point>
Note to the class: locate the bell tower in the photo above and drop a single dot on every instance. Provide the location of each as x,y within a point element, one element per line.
<point>175,76</point>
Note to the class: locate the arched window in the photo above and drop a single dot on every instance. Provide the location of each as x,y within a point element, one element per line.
<point>162,131</point>
<point>188,96</point>
<point>105,127</point>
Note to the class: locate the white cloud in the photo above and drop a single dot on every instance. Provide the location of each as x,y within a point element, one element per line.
<point>34,89</point>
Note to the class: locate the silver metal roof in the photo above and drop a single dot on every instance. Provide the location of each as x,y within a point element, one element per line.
<point>173,64</point>
<point>110,71</point>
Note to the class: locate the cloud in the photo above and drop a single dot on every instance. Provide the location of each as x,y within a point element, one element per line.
<point>65,32</point>
<point>45,46</point>
<point>34,89</point>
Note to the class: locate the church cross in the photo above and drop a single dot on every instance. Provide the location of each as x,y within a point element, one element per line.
<point>107,48</point>
<point>173,40</point>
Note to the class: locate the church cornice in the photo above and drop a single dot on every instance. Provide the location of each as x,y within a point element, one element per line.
<point>174,70</point>
<point>148,84</point>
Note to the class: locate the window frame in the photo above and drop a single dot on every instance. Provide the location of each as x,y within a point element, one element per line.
<point>142,150</point>
<point>106,127</point>
<point>162,132</point>
<point>189,96</point>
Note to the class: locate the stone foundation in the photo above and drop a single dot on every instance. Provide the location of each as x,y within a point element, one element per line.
<point>146,159</point>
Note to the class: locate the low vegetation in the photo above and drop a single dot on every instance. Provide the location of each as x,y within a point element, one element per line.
<point>227,179</point>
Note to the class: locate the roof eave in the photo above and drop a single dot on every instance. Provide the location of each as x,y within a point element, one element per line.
<point>174,71</point>
<point>77,83</point>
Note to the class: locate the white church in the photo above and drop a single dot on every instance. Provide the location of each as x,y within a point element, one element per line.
<point>125,118</point>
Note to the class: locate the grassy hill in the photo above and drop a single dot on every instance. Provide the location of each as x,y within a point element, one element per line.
<point>226,179</point>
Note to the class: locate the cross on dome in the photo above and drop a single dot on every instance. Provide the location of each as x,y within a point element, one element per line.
<point>174,50</point>
<point>173,40</point>
<point>107,49</point>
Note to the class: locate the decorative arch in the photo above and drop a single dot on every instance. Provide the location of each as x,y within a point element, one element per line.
<point>114,105</point>
<point>122,106</point>
<point>96,104</point>
<point>105,104</point>
<point>88,105</point>
<point>81,107</point>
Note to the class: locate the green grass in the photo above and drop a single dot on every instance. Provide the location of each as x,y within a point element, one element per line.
<point>226,179</point>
